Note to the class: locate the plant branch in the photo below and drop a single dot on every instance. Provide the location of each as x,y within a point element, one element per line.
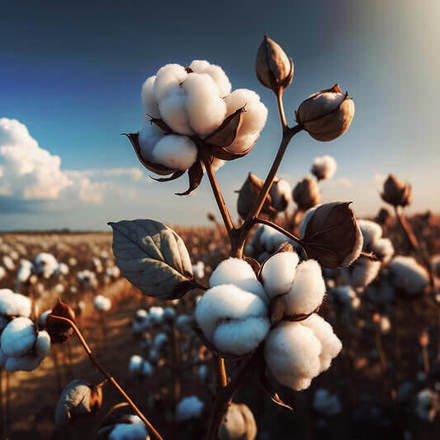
<point>279,229</point>
<point>107,375</point>
<point>406,228</point>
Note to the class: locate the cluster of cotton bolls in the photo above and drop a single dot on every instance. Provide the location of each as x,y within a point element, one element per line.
<point>240,311</point>
<point>364,270</point>
<point>194,101</point>
<point>265,241</point>
<point>22,345</point>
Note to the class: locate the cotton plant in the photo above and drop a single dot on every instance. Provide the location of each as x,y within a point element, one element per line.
<point>45,265</point>
<point>264,314</point>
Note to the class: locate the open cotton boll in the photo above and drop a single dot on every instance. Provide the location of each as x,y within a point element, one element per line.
<point>18,337</point>
<point>278,273</point>
<point>371,231</point>
<point>307,291</point>
<point>233,319</point>
<point>292,351</point>
<point>383,249</point>
<point>238,423</point>
<point>231,271</point>
<point>206,109</point>
<point>156,313</point>
<point>326,403</point>
<point>102,303</point>
<point>24,271</point>
<point>160,340</point>
<point>408,275</point>
<point>281,194</point>
<point>362,272</point>
<point>324,167</point>
<point>255,115</point>
<point>148,99</point>
<point>8,262</point>
<point>216,73</point>
<point>173,111</point>
<point>330,343</point>
<point>14,304</point>
<point>134,430</point>
<point>177,152</point>
<point>184,322</point>
<point>149,136</point>
<point>45,264</point>
<point>167,78</point>
<point>255,287</point>
<point>189,408</point>
<point>243,142</point>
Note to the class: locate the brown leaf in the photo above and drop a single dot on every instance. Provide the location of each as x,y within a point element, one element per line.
<point>224,135</point>
<point>195,175</point>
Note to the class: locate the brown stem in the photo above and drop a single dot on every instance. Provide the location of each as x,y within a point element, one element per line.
<point>2,411</point>
<point>279,229</point>
<point>107,375</point>
<point>406,228</point>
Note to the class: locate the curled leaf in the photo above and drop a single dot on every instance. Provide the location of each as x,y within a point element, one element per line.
<point>153,258</point>
<point>195,174</point>
<point>224,135</point>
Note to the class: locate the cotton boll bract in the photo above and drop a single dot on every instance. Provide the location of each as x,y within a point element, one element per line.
<point>189,408</point>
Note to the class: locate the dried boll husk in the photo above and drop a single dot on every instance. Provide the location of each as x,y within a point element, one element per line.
<point>273,67</point>
<point>306,194</point>
<point>78,399</point>
<point>238,423</point>
<point>248,194</point>
<point>330,234</point>
<point>395,192</point>
<point>326,115</point>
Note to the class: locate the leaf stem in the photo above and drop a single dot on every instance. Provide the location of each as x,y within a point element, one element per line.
<point>107,375</point>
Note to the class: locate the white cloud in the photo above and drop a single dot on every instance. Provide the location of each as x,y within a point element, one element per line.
<point>27,171</point>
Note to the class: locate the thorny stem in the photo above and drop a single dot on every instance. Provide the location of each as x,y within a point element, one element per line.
<point>107,375</point>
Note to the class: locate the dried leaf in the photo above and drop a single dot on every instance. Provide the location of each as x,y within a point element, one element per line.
<point>224,135</point>
<point>195,174</point>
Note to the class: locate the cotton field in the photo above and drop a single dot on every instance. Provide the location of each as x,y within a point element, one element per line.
<point>282,315</point>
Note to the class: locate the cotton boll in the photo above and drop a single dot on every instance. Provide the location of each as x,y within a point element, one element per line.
<point>167,78</point>
<point>177,152</point>
<point>102,303</point>
<point>233,319</point>
<point>189,408</point>
<point>383,249</point>
<point>203,373</point>
<point>216,73</point>
<point>243,142</point>
<point>8,262</point>
<point>24,271</point>
<point>62,269</point>
<point>184,322</point>
<point>45,264</point>
<point>231,271</point>
<point>240,337</point>
<point>307,291</point>
<point>281,194</point>
<point>149,136</point>
<point>278,273</point>
<point>326,403</point>
<point>205,108</point>
<point>292,352</point>
<point>169,314</point>
<point>156,314</point>
<point>14,304</point>
<point>330,343</point>
<point>371,232</point>
<point>362,272</point>
<point>324,167</point>
<point>255,115</point>
<point>255,287</point>
<point>408,275</point>
<point>135,429</point>
<point>148,99</point>
<point>173,111</point>
<point>160,340</point>
<point>238,423</point>
<point>199,270</point>
<point>18,337</point>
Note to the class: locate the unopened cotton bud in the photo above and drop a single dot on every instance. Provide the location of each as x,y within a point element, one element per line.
<point>278,273</point>
<point>324,167</point>
<point>330,234</point>
<point>395,192</point>
<point>273,68</point>
<point>59,330</point>
<point>326,115</point>
<point>306,194</point>
<point>77,400</point>
<point>177,152</point>
<point>291,352</point>
<point>238,423</point>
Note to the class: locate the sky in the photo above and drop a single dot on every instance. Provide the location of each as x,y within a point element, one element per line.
<point>70,80</point>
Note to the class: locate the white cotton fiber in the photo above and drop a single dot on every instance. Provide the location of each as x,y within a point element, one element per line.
<point>24,271</point>
<point>168,77</point>
<point>149,136</point>
<point>371,232</point>
<point>308,289</point>
<point>206,109</point>
<point>18,337</point>
<point>189,408</point>
<point>324,167</point>
<point>240,336</point>
<point>408,275</point>
<point>253,286</point>
<point>362,272</point>
<point>292,352</point>
<point>255,115</point>
<point>173,111</point>
<point>281,194</point>
<point>148,99</point>
<point>136,430</point>
<point>177,152</point>
<point>231,271</point>
<point>14,304</point>
<point>330,343</point>
<point>45,264</point>
<point>383,249</point>
<point>243,142</point>
<point>102,303</point>
<point>278,273</point>
<point>216,73</point>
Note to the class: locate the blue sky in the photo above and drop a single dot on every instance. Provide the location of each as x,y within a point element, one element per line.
<point>71,72</point>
